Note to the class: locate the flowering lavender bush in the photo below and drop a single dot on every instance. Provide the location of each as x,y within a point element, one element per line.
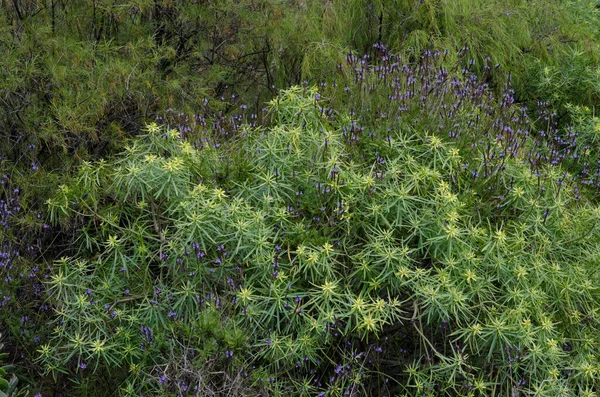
<point>398,231</point>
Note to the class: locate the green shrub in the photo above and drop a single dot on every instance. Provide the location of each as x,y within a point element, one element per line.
<point>338,248</point>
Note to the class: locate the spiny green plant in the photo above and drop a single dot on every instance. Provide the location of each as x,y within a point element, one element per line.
<point>155,276</point>
<point>312,232</point>
<point>209,249</point>
<point>419,158</point>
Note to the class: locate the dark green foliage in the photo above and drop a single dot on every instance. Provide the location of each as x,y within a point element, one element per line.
<point>8,380</point>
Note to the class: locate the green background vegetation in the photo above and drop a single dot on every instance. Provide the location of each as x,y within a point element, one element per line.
<point>300,198</point>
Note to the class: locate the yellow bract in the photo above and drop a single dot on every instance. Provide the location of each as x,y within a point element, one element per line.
<point>173,165</point>
<point>368,323</point>
<point>327,249</point>
<point>245,295</point>
<point>98,346</point>
<point>328,288</point>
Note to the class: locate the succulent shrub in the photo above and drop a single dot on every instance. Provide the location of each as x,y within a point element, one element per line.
<point>400,231</point>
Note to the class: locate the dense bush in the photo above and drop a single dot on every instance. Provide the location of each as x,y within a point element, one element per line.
<point>77,80</point>
<point>420,236</point>
<point>409,221</point>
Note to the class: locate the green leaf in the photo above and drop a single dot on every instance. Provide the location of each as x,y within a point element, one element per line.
<point>3,384</point>
<point>14,381</point>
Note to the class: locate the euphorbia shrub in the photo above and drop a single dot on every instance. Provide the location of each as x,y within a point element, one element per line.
<point>407,233</point>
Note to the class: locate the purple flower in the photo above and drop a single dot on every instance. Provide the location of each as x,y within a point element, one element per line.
<point>147,333</point>
<point>184,386</point>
